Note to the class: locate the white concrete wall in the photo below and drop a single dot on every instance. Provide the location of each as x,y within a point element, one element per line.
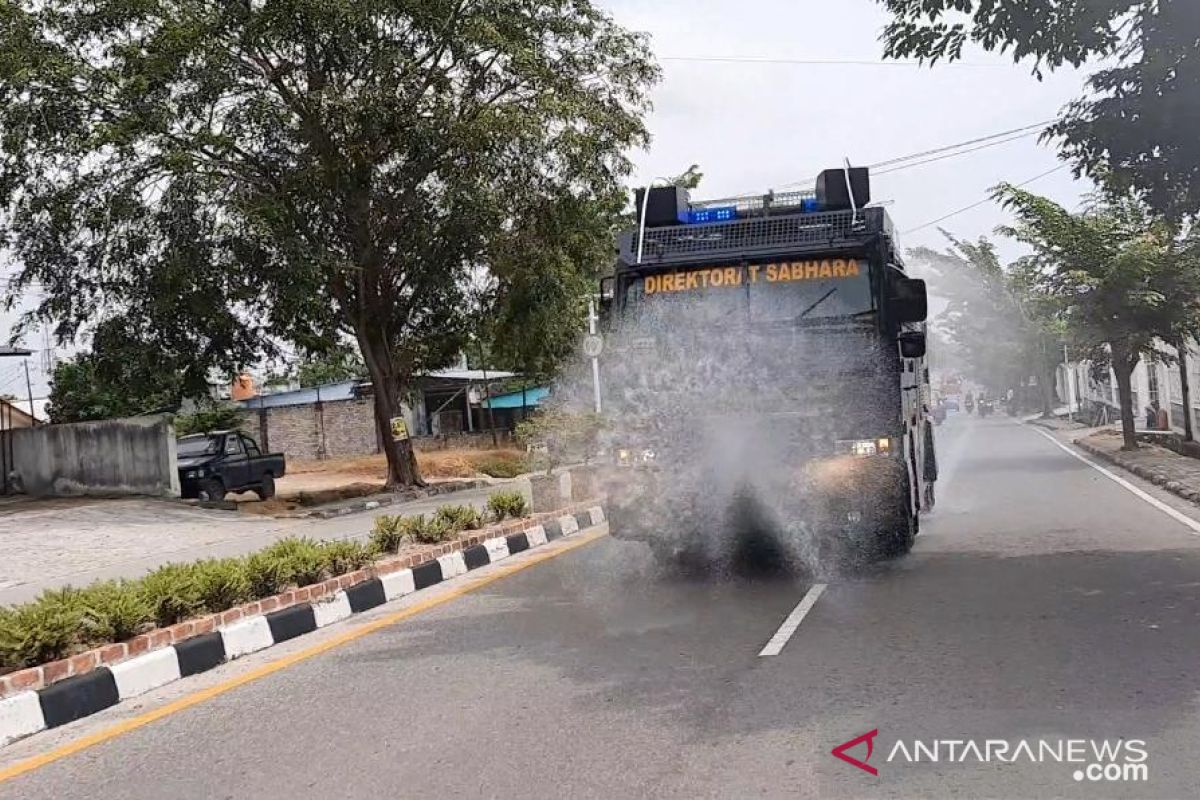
<point>1170,395</point>
<point>116,456</point>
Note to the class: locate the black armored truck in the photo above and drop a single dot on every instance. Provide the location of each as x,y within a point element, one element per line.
<point>765,369</point>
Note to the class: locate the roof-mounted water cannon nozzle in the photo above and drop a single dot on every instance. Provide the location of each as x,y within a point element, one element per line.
<point>665,205</point>
<point>842,189</point>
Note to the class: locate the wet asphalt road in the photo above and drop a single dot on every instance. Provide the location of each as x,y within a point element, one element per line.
<point>1042,601</point>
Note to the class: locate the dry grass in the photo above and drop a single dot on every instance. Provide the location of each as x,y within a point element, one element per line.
<point>462,463</point>
<point>374,466</point>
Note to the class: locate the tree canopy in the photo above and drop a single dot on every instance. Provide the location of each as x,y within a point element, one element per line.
<point>1121,280</point>
<point>994,317</point>
<point>209,175</point>
<point>92,386</point>
<point>1136,131</point>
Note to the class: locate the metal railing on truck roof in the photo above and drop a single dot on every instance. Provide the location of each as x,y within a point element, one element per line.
<point>792,234</point>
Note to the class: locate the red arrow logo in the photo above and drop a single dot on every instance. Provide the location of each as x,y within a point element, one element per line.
<point>869,738</point>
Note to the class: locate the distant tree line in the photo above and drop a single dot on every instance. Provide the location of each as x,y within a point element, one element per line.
<point>1119,279</point>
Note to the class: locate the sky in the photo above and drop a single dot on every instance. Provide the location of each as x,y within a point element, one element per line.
<point>752,127</point>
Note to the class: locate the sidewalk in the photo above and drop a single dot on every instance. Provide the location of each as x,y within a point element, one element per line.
<point>1176,473</point>
<point>1054,423</point>
<point>51,543</point>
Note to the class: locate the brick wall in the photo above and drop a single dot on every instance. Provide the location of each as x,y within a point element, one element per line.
<point>294,431</point>
<point>250,425</point>
<point>348,427</point>
<point>324,430</point>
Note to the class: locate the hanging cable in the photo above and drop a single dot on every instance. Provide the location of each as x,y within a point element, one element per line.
<point>952,150</point>
<point>987,199</point>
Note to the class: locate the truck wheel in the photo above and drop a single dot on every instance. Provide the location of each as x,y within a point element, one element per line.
<point>267,490</point>
<point>211,489</point>
<point>898,539</point>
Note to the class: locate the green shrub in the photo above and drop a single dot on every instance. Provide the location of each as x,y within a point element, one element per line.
<point>459,518</point>
<point>507,504</point>
<point>388,534</point>
<point>411,528</point>
<point>45,630</point>
<point>266,574</point>
<point>172,593</point>
<point>346,556</point>
<point>216,416</point>
<point>222,583</point>
<point>504,467</point>
<point>430,531</point>
<point>301,560</point>
<point>554,436</point>
<point>114,611</point>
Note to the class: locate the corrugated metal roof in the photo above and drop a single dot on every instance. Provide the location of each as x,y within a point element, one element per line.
<point>346,390</point>
<point>471,374</point>
<point>328,393</point>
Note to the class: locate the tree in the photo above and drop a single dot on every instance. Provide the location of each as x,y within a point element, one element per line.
<point>544,268</point>
<point>337,363</point>
<point>341,364</point>
<point>93,386</point>
<point>994,317</point>
<point>1116,274</point>
<point>330,169</point>
<point>216,416</point>
<point>690,178</point>
<point>1136,130</point>
<point>556,435</point>
<point>1186,253</point>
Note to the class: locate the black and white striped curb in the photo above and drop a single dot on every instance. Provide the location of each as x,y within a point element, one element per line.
<point>74,698</point>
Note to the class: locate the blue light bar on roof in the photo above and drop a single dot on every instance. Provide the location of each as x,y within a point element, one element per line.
<point>701,215</point>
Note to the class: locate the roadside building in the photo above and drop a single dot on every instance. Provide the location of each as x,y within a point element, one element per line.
<point>1153,384</point>
<point>510,408</point>
<point>338,419</point>
<point>12,415</point>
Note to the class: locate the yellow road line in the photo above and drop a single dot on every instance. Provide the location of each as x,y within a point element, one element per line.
<point>132,724</point>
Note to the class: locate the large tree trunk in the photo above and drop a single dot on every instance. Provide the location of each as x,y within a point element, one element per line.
<point>1123,364</point>
<point>1046,374</point>
<point>1046,379</point>
<point>1185,389</point>
<point>401,460</point>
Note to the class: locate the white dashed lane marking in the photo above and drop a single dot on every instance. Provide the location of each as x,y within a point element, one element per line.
<point>789,626</point>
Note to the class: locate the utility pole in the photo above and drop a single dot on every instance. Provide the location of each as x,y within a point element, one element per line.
<point>29,389</point>
<point>1070,379</point>
<point>592,320</point>
<point>487,398</point>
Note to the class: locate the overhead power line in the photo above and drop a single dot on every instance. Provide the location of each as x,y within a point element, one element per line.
<point>923,157</point>
<point>1024,130</point>
<point>985,200</point>
<point>944,156</point>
